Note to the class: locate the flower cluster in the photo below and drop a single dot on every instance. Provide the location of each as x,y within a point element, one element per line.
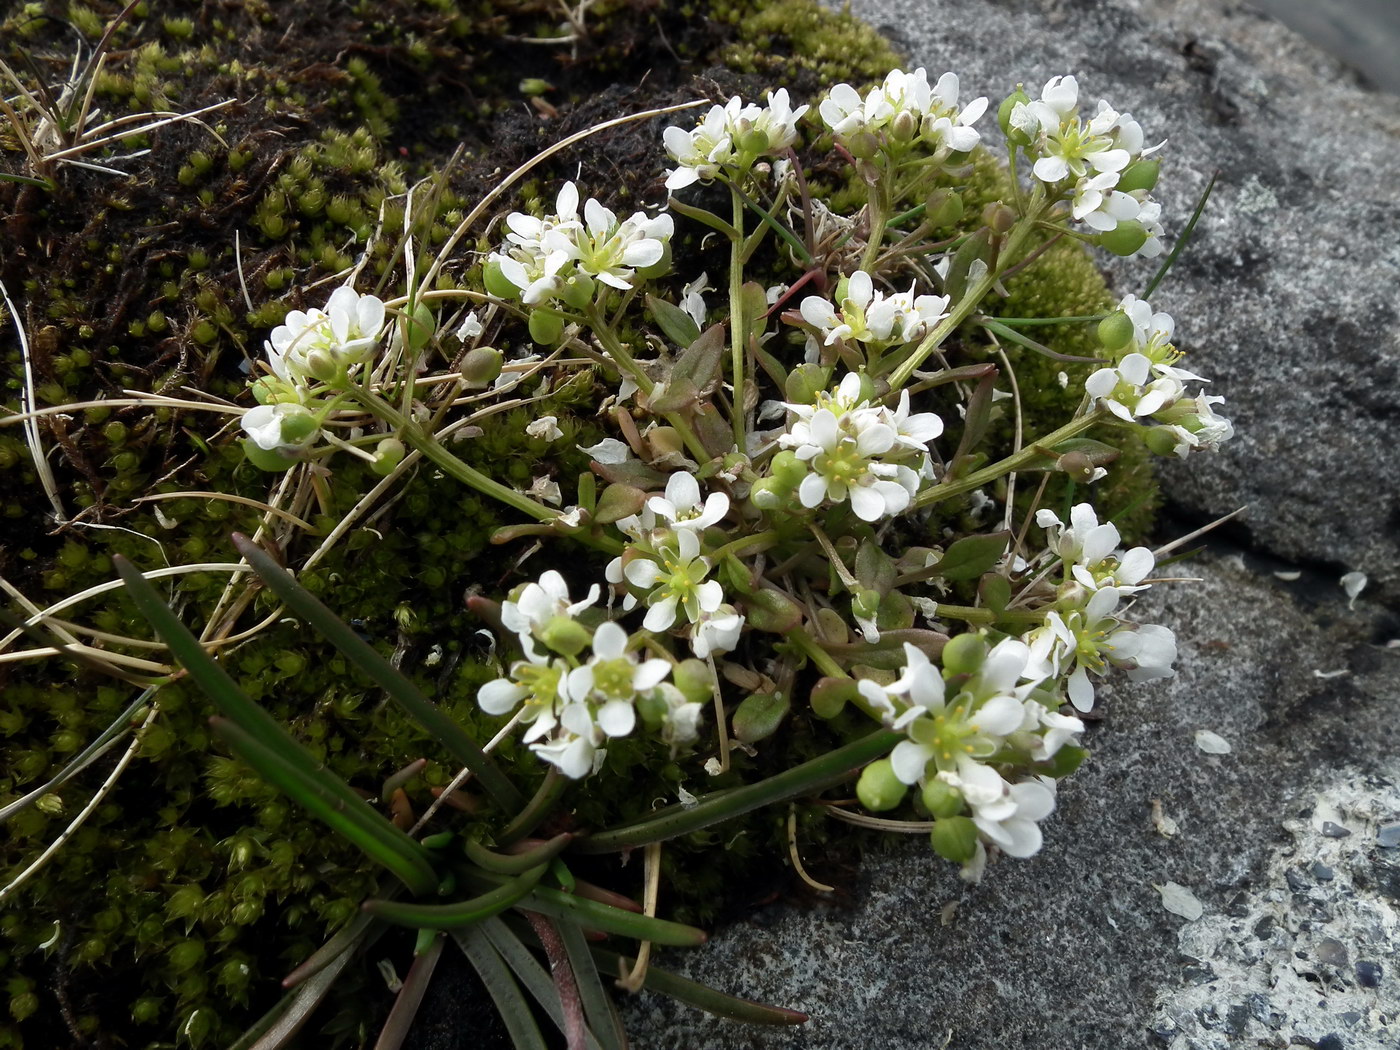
<point>574,704</point>
<point>310,348</point>
<point>664,564</point>
<point>559,256</point>
<point>730,139</point>
<point>852,449</point>
<point>1100,162</point>
<point>874,318</point>
<point>903,110</point>
<point>1145,382</point>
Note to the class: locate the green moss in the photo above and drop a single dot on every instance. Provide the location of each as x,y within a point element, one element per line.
<point>787,36</point>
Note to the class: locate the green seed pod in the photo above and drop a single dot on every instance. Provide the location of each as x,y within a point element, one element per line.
<point>830,696</point>
<point>388,454</point>
<point>954,838</point>
<point>1116,331</point>
<point>482,365</point>
<point>769,494</point>
<point>866,604</point>
<point>299,427</point>
<point>942,800</point>
<point>1125,238</point>
<point>496,282</point>
<point>565,636</point>
<point>693,679</point>
<point>998,217</point>
<point>1162,441</point>
<point>964,653</point>
<point>263,459</point>
<point>805,382</point>
<point>1140,175</point>
<point>878,788</point>
<point>788,469</point>
<point>578,291</point>
<point>754,140</point>
<point>943,208</point>
<point>862,145</point>
<point>546,328</point>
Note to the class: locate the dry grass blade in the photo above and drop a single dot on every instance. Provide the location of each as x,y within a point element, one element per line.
<point>31,425</point>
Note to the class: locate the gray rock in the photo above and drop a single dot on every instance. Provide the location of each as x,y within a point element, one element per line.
<point>1288,300</point>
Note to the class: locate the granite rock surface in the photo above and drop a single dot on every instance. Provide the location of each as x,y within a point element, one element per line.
<point>1286,844</point>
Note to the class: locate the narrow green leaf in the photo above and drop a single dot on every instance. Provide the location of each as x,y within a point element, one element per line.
<point>759,716</point>
<point>354,819</point>
<point>516,863</point>
<point>703,996</point>
<point>276,1028</point>
<point>346,939</point>
<point>531,973</point>
<point>505,993</point>
<point>971,556</point>
<point>437,724</point>
<point>603,1019</point>
<point>806,779</point>
<point>1181,241</point>
<point>401,1016</point>
<point>459,913</point>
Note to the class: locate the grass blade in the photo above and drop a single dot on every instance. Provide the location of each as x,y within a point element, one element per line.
<point>505,993</point>
<point>702,996</point>
<point>569,907</point>
<point>347,938</point>
<point>460,913</point>
<point>1181,241</point>
<point>531,972</point>
<point>277,1027</point>
<point>515,863</point>
<point>437,724</point>
<point>354,819</point>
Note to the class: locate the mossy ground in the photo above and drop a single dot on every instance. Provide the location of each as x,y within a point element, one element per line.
<point>169,916</point>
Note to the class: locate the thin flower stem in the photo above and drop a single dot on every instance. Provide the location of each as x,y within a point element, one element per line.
<point>825,662</point>
<point>978,478</point>
<point>756,539</point>
<point>968,302</point>
<point>879,219</point>
<point>738,327</point>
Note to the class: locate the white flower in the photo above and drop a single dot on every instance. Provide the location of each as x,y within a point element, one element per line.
<point>538,604</point>
<point>613,679</point>
<point>470,328</point>
<point>613,250</point>
<point>284,428</point>
<point>1090,550</point>
<point>1006,814</point>
<point>1195,426</point>
<point>326,345</point>
<point>716,632</point>
<point>1129,391</point>
<point>693,299</point>
<point>575,747</point>
<point>673,575</point>
<point>545,428</point>
<point>681,507</point>
<point>1149,326</point>
<point>907,106</point>
<point>730,138</point>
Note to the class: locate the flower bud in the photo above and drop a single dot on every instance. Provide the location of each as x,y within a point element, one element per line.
<point>546,328</point>
<point>1014,136</point>
<point>830,695</point>
<point>943,209</point>
<point>482,365</point>
<point>323,366</point>
<point>769,493</point>
<point>904,126</point>
<point>565,636</point>
<point>273,390</point>
<point>878,788</point>
<point>420,326</point>
<point>1116,331</point>
<point>942,800</point>
<point>1077,465</point>
<point>1140,175</point>
<point>964,653</point>
<point>954,838</point>
<point>1125,238</point>
<point>496,282</point>
<point>692,678</point>
<point>805,382</point>
<point>388,454</point>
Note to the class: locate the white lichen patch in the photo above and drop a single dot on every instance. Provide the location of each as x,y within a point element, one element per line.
<point>1310,954</point>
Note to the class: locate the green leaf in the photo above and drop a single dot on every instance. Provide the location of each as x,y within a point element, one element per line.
<point>598,1009</point>
<point>759,716</point>
<point>973,248</point>
<point>459,913</point>
<point>772,610</point>
<point>874,568</point>
<point>438,725</point>
<point>971,556</point>
<point>1181,241</point>
<point>405,1009</point>
<point>704,997</point>
<point>755,301</point>
<point>807,779</point>
<point>530,972</point>
<point>618,502</point>
<point>677,325</point>
<point>279,1025</point>
<point>516,863</point>
<point>995,592</point>
<point>376,837</point>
